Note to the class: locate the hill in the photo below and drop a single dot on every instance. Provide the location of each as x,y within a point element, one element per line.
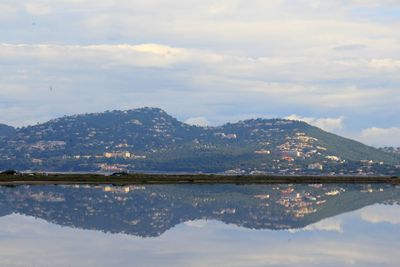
<point>148,139</point>
<point>6,130</point>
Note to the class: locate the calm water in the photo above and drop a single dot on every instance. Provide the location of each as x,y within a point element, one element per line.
<point>198,225</point>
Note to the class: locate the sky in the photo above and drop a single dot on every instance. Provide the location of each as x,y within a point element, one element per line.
<point>337,241</point>
<point>334,64</point>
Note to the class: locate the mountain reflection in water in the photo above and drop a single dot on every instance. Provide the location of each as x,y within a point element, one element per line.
<point>151,210</point>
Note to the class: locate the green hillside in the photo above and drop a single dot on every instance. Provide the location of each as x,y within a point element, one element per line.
<point>148,139</point>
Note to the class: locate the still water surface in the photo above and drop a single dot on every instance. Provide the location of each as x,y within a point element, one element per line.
<point>200,225</point>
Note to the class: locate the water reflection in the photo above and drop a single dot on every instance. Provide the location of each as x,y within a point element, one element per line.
<point>149,211</point>
<point>188,225</point>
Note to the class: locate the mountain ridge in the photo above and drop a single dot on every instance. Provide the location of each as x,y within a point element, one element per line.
<point>6,130</point>
<point>150,139</point>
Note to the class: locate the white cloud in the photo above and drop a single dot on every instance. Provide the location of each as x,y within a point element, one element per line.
<point>333,224</point>
<point>385,64</point>
<point>142,55</point>
<point>198,121</point>
<point>328,124</point>
<point>197,223</point>
<point>196,76</point>
<point>381,214</point>
<point>375,3</point>
<point>349,47</point>
<point>31,242</point>
<point>381,136</point>
<point>37,9</point>
<point>7,11</point>
<point>309,57</point>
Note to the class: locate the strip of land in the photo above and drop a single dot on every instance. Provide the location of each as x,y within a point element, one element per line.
<point>137,178</point>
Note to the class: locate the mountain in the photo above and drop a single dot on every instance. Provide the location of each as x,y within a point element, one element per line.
<point>149,211</point>
<point>148,139</point>
<point>6,130</point>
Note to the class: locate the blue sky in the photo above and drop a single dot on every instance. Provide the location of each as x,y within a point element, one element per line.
<point>335,64</point>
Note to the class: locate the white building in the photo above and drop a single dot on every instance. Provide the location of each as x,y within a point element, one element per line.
<point>315,166</point>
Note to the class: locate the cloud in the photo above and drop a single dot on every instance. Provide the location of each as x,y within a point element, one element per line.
<point>197,223</point>
<point>310,57</point>
<point>198,121</point>
<point>381,136</point>
<point>375,3</point>
<point>381,214</point>
<point>331,225</point>
<point>144,55</point>
<point>37,9</point>
<point>386,64</point>
<point>30,241</point>
<point>7,11</point>
<point>350,47</point>
<point>150,74</point>
<point>327,124</point>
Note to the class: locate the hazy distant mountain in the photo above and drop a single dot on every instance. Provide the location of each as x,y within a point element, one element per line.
<point>148,139</point>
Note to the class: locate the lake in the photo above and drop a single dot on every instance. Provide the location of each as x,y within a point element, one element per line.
<point>200,225</point>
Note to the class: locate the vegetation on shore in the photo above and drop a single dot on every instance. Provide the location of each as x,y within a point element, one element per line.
<point>7,178</point>
<point>150,140</point>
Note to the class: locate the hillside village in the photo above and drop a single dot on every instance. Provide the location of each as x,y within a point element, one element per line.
<point>148,139</point>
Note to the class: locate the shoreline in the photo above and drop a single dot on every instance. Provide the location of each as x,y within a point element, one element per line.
<point>138,178</point>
